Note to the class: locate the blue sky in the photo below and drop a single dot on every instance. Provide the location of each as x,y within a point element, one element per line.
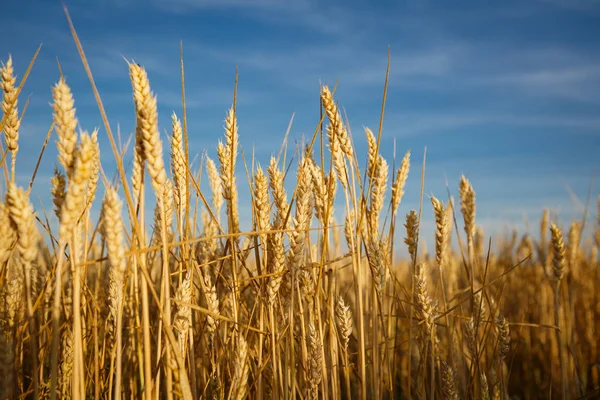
<point>506,92</point>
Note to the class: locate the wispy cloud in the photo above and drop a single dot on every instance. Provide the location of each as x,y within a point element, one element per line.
<point>507,93</point>
<point>441,123</point>
<point>579,5</point>
<point>549,76</point>
<point>200,4</point>
<point>325,18</point>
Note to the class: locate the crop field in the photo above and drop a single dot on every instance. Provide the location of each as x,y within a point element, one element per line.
<point>166,296</point>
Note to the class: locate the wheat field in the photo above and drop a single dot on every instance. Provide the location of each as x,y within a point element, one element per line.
<point>164,295</point>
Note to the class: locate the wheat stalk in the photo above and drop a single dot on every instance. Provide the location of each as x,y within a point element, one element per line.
<point>558,261</point>
<point>112,229</point>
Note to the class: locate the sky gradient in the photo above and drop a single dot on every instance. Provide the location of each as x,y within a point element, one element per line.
<point>507,93</point>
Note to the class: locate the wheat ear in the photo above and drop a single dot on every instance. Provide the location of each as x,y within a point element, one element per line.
<point>65,124</point>
<point>400,181</point>
<point>179,167</point>
<point>9,107</point>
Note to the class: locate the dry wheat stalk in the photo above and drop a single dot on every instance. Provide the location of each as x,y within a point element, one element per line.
<point>212,301</point>
<point>301,220</point>
<point>261,202</point>
<point>18,286</point>
<point>441,232</point>
<point>480,310</point>
<point>276,262</point>
<point>12,297</point>
<point>178,165</point>
<point>148,137</point>
<point>239,383</point>
<point>412,227</point>
<point>320,190</point>
<point>378,188</point>
<point>66,364</point>
<point>73,205</point>
<point>22,216</point>
<point>112,229</point>
<point>339,142</point>
<point>9,107</point>
<point>167,200</point>
<point>425,308</point>
<point>337,127</point>
<point>377,264</point>
<point>331,185</point>
<point>183,316</point>
<point>467,202</point>
<point>227,156</point>
<point>8,234</point>
<point>485,391</point>
<point>307,281</point>
<point>208,249</point>
<point>147,126</point>
<point>559,252</point>
<point>349,226</point>
<point>93,183</point>
<point>470,336</point>
<point>503,332</point>
<point>315,363</point>
<point>449,389</point>
<point>496,388</point>
<point>276,177</point>
<point>339,162</point>
<point>399,182</point>
<point>215,185</point>
<point>558,262</point>
<point>139,161</point>
<point>344,322</point>
<point>72,209</point>
<point>65,124</point>
<point>58,190</point>
<point>371,152</point>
